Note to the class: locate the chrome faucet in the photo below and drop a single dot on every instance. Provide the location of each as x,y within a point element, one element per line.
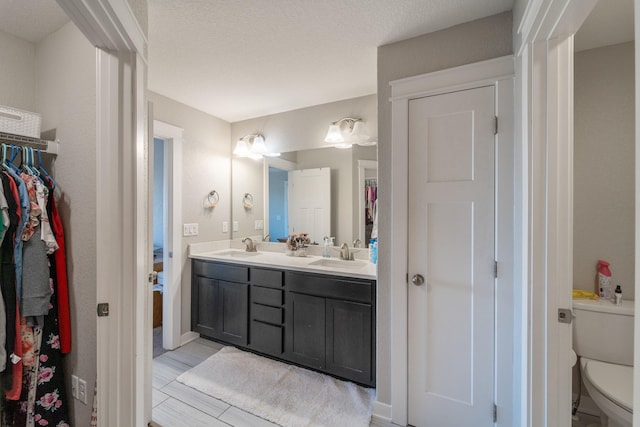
<point>266,238</point>
<point>251,247</point>
<point>357,243</point>
<point>344,253</point>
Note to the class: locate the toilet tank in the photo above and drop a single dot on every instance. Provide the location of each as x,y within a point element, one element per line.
<point>603,331</point>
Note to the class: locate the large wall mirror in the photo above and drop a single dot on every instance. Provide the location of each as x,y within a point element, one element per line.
<point>334,188</point>
<point>290,194</point>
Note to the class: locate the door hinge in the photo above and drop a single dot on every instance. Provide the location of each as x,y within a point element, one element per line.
<point>495,413</point>
<point>495,269</point>
<point>495,125</point>
<point>103,309</point>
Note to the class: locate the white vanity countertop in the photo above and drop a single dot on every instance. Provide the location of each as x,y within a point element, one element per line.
<point>272,255</point>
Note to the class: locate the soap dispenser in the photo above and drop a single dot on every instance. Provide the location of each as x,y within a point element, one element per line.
<point>618,295</point>
<point>328,244</point>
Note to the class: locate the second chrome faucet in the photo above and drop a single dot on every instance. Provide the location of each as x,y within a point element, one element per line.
<point>251,247</point>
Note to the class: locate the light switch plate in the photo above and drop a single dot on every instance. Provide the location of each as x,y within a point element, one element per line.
<point>235,225</point>
<point>225,226</point>
<point>259,224</point>
<point>190,229</point>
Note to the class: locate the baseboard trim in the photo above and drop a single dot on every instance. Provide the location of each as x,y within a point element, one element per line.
<point>381,416</point>
<point>187,337</point>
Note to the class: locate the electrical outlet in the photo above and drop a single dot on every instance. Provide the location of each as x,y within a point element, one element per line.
<point>82,391</point>
<point>225,226</point>
<point>259,224</point>
<point>235,225</point>
<point>74,386</point>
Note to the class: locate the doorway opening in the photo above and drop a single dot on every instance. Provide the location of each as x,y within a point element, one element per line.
<point>159,241</point>
<point>167,239</point>
<point>278,203</point>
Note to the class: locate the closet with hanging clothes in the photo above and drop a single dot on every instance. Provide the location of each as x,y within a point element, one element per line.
<point>35,330</point>
<point>370,197</point>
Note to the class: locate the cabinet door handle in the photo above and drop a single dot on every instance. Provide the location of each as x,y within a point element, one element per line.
<point>417,279</point>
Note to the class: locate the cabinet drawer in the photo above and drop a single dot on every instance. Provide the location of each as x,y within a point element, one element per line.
<point>264,313</point>
<point>266,296</point>
<point>214,270</point>
<point>264,277</point>
<point>267,338</point>
<point>331,287</point>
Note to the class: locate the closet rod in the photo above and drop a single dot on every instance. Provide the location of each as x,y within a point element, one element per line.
<point>44,145</point>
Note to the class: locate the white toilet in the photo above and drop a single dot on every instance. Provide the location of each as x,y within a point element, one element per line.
<point>603,339</point>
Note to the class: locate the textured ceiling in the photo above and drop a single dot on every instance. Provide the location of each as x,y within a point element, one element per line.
<point>31,20</point>
<point>238,59</point>
<point>243,59</point>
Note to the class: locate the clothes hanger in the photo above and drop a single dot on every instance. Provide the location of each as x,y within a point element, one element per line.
<point>4,156</point>
<point>14,153</point>
<point>43,170</point>
<point>27,162</point>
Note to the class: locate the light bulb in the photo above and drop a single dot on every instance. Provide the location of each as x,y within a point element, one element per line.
<point>334,134</point>
<point>258,146</point>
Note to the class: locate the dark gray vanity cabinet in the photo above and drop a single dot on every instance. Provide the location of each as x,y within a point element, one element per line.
<point>220,295</point>
<point>319,321</point>
<point>266,313</point>
<point>331,324</point>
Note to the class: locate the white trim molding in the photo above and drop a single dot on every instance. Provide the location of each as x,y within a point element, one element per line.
<point>381,416</point>
<point>172,293</point>
<point>498,73</point>
<point>108,24</point>
<point>544,46</point>
<point>122,263</point>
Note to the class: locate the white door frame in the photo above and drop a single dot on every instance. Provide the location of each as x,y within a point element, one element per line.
<point>172,253</point>
<point>123,375</point>
<point>276,163</point>
<point>498,73</point>
<point>544,47</point>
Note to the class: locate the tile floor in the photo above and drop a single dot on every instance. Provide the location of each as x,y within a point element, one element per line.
<point>176,405</point>
<point>585,420</point>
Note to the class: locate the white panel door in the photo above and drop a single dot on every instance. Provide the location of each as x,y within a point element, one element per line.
<point>451,245</point>
<point>309,199</point>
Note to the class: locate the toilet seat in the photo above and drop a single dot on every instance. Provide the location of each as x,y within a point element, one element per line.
<point>615,382</point>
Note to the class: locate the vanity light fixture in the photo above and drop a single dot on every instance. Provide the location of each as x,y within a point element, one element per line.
<point>357,133</point>
<point>253,146</point>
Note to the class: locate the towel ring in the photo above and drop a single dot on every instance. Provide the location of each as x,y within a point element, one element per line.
<point>212,199</point>
<point>247,201</point>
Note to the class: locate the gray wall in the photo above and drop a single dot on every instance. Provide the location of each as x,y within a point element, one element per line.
<point>604,165</point>
<point>462,44</point>
<point>158,191</point>
<point>206,166</point>
<point>66,98</point>
<point>18,71</point>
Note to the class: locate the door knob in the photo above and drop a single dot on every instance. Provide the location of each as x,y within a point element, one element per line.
<point>417,279</point>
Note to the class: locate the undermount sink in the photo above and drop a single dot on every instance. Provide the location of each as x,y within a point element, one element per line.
<point>238,254</point>
<point>337,263</point>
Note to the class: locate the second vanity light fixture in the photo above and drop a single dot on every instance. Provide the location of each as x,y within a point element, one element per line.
<point>253,146</point>
<point>356,134</point>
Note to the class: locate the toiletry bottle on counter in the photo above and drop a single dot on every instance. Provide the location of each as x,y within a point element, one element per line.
<point>618,295</point>
<point>373,250</point>
<point>326,249</point>
<point>604,280</point>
